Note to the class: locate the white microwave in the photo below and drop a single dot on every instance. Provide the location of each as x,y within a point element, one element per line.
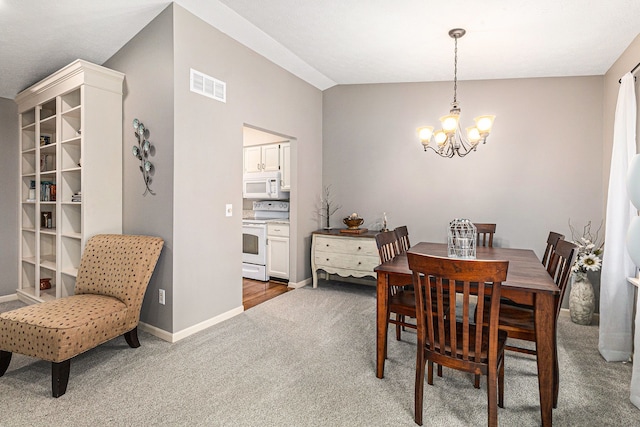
<point>263,185</point>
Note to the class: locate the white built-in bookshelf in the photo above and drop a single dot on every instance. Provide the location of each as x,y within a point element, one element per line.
<point>70,173</point>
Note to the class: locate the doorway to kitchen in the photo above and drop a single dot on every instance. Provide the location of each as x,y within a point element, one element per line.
<point>266,189</point>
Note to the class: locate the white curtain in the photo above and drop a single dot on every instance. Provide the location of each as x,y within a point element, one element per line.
<point>616,295</point>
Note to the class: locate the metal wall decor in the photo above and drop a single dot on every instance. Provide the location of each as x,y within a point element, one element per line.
<point>461,240</point>
<point>141,152</point>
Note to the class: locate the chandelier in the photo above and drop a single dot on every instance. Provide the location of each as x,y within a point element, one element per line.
<point>450,140</point>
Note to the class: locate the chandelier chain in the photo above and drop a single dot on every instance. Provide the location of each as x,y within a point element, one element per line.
<point>455,72</point>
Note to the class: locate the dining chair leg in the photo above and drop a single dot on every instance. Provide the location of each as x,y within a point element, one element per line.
<point>430,372</point>
<point>476,381</point>
<point>492,394</point>
<point>419,387</point>
<point>556,367</point>
<point>440,371</point>
<point>501,384</point>
<point>399,318</point>
<point>556,381</point>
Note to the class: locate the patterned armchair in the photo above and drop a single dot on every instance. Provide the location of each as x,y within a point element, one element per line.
<point>112,278</point>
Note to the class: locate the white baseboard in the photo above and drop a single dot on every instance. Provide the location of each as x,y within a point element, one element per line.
<point>177,336</point>
<point>296,285</point>
<point>7,298</point>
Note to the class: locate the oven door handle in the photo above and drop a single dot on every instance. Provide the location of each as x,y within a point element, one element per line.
<point>254,226</point>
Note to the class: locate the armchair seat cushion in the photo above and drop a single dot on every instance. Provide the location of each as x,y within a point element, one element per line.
<point>59,330</point>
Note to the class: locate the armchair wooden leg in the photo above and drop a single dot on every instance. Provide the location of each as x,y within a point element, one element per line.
<point>5,359</point>
<point>132,338</point>
<point>60,377</point>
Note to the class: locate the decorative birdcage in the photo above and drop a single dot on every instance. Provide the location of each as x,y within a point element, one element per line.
<point>462,239</point>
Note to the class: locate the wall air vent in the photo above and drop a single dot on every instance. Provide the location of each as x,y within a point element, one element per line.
<point>208,86</point>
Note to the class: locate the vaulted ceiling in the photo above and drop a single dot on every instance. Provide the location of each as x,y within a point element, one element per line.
<point>333,42</point>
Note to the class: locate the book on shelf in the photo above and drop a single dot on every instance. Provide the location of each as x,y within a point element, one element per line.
<point>47,191</point>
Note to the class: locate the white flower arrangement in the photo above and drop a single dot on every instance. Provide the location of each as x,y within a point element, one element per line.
<point>589,250</point>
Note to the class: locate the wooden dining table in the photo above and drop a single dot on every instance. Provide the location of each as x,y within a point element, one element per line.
<point>527,283</point>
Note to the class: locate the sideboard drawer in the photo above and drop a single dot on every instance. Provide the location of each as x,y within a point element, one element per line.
<point>346,261</point>
<point>346,245</point>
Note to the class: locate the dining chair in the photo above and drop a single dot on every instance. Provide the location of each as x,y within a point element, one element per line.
<point>401,300</point>
<point>403,238</point>
<point>474,347</point>
<point>552,242</point>
<point>518,321</point>
<point>485,234</point>
<point>484,237</point>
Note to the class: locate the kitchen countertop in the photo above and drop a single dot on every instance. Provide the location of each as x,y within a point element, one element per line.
<point>278,221</point>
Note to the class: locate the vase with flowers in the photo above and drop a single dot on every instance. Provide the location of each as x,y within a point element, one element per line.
<point>589,259</point>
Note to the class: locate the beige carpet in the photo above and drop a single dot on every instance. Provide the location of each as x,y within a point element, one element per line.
<point>305,358</point>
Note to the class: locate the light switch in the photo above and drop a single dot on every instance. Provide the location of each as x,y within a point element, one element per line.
<point>229,209</point>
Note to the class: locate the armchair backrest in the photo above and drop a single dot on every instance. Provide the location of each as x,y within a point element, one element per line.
<point>119,266</point>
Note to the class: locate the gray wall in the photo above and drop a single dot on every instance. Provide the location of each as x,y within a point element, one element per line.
<point>147,62</point>
<point>9,170</point>
<point>208,164</point>
<point>198,160</point>
<point>541,166</point>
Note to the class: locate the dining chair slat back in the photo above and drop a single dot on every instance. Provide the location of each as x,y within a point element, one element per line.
<point>562,259</point>
<point>485,234</point>
<point>387,243</point>
<point>519,321</point>
<point>401,301</point>
<point>403,238</point>
<point>448,334</point>
<point>552,242</point>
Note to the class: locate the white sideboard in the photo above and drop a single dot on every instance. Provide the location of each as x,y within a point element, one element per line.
<point>346,255</point>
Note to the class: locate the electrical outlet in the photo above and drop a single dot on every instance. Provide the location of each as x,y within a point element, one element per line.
<point>161,296</point>
<point>229,209</point>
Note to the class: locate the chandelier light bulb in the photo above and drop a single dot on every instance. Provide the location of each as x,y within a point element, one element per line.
<point>424,133</point>
<point>440,137</point>
<point>484,123</point>
<point>473,134</point>
<point>449,123</point>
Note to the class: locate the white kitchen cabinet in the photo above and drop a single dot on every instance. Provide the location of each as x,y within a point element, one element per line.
<point>262,158</point>
<point>278,250</point>
<point>285,165</point>
<point>70,173</point>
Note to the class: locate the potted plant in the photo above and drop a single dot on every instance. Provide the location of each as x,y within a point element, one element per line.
<point>582,296</point>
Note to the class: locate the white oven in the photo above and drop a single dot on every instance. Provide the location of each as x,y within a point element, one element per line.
<point>263,185</point>
<point>254,237</point>
<point>254,250</point>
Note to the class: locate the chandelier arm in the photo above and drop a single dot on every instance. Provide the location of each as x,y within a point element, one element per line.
<point>442,152</point>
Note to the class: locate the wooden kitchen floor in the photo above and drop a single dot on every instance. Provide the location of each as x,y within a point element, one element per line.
<point>255,292</point>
